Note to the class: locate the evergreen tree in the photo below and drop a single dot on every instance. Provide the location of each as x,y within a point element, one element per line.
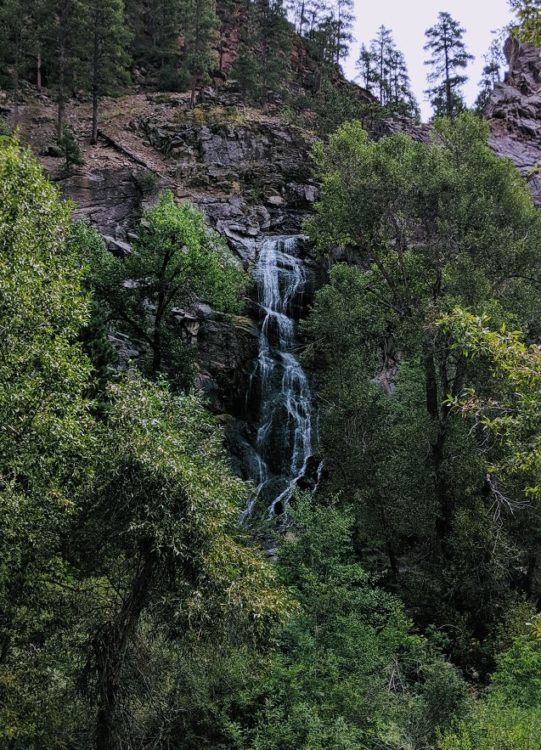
<point>16,32</point>
<point>384,73</point>
<point>276,45</point>
<point>106,59</point>
<point>70,149</point>
<point>366,66</point>
<point>380,49</point>
<point>449,57</point>
<point>157,26</point>
<point>528,26</point>
<point>494,60</point>
<point>64,28</point>
<point>264,61</point>
<point>200,34</point>
<point>344,18</point>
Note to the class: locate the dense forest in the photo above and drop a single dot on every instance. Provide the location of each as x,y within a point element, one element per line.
<point>156,593</point>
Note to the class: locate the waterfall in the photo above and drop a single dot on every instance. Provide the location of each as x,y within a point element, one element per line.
<point>284,439</point>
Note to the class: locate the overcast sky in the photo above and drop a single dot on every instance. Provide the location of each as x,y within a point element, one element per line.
<point>409,19</point>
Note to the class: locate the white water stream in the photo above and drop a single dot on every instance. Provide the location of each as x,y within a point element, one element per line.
<point>284,441</point>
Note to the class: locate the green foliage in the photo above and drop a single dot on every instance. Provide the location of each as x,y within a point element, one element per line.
<point>528,28</point>
<point>43,442</point>
<point>70,149</point>
<point>510,413</point>
<point>334,105</point>
<point>492,69</point>
<point>509,717</point>
<point>15,38</point>
<point>263,65</point>
<point>176,261</point>
<point>384,73</point>
<point>109,525</point>
<point>449,57</point>
<point>348,673</point>
<point>200,28</point>
<point>105,60</point>
<point>424,226</point>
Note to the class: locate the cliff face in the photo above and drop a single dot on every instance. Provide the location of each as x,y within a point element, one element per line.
<point>247,169</point>
<point>514,113</point>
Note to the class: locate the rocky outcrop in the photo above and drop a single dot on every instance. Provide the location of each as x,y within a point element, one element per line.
<point>109,198</point>
<point>514,113</point>
<point>248,172</point>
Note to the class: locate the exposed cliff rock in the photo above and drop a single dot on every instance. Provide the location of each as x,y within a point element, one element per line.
<point>514,112</point>
<point>249,172</point>
<point>247,169</point>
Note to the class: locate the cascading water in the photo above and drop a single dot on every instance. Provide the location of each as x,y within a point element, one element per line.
<point>284,440</point>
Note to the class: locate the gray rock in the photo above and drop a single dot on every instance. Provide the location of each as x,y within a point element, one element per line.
<point>514,112</point>
<point>117,247</point>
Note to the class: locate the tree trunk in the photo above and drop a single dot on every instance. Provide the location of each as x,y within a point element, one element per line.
<point>16,77</point>
<point>95,85</point>
<point>38,70</point>
<point>61,89</point>
<point>448,103</point>
<point>109,648</point>
<point>443,524</point>
<point>95,103</point>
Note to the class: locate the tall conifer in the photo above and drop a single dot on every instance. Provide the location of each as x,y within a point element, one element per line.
<point>448,59</point>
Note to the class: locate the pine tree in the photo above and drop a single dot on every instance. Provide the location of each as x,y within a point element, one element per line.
<point>200,33</point>
<point>16,26</point>
<point>299,12</point>
<point>106,61</point>
<point>401,97</point>
<point>316,12</point>
<point>247,69</point>
<point>366,66</point>
<point>528,27</point>
<point>156,26</point>
<point>449,57</point>
<point>276,45</point>
<point>71,150</point>
<point>264,60</point>
<point>63,36</point>
<point>491,74</point>
<point>380,49</point>
<point>384,73</point>
<point>344,18</point>
<point>37,37</point>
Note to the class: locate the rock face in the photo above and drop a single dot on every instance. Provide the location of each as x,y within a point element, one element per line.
<point>250,174</point>
<point>109,198</point>
<point>514,112</point>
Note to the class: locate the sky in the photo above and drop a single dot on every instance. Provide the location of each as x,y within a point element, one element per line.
<point>409,19</point>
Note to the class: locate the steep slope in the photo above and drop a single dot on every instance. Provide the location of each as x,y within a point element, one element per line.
<point>514,113</point>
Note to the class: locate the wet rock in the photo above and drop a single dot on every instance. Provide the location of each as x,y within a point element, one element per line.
<point>227,349</point>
